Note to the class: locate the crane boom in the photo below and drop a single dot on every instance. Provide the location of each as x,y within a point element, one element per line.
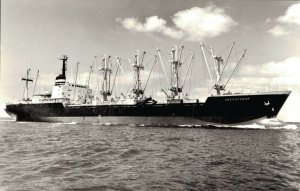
<point>162,64</point>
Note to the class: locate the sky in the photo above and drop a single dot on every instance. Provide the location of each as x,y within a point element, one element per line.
<point>35,33</point>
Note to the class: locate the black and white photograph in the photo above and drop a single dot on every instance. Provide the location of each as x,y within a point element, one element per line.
<point>150,95</point>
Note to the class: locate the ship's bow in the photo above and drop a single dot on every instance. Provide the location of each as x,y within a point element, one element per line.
<point>238,108</point>
<point>274,102</point>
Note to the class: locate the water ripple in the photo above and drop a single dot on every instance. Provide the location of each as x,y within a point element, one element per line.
<point>47,156</point>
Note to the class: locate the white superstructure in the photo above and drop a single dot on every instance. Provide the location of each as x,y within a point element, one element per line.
<point>65,92</point>
<point>78,94</point>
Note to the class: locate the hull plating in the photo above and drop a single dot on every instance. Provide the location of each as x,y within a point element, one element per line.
<point>217,109</point>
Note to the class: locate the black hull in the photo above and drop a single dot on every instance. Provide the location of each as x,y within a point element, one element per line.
<point>227,109</point>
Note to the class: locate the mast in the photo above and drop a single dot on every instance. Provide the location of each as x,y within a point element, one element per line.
<point>175,63</point>
<point>217,61</point>
<point>105,92</point>
<point>64,67</point>
<point>137,67</point>
<point>61,78</point>
<point>220,61</point>
<point>27,79</point>
<point>216,65</point>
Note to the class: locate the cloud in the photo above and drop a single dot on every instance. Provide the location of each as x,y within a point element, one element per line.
<point>152,24</point>
<point>278,31</point>
<point>287,21</point>
<point>268,20</point>
<point>199,23</point>
<point>284,73</point>
<point>191,24</point>
<point>292,15</point>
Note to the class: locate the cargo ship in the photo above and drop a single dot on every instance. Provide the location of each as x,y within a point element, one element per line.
<point>72,102</point>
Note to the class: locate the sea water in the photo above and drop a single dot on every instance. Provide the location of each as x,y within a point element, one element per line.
<point>56,156</point>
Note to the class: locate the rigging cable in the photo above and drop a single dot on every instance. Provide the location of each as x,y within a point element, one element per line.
<point>162,64</point>
<point>150,73</point>
<point>236,67</point>
<point>37,75</point>
<point>226,62</point>
<point>112,88</point>
<point>16,92</point>
<point>191,61</point>
<point>205,60</point>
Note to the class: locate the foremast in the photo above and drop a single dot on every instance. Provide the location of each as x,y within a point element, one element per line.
<point>219,63</point>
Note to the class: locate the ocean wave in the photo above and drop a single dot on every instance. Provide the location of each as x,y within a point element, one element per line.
<point>138,158</point>
<point>259,126</point>
<point>262,124</point>
<point>289,126</point>
<point>188,125</point>
<point>67,123</point>
<point>24,122</point>
<point>250,126</point>
<point>243,126</point>
<point>130,153</point>
<point>274,121</point>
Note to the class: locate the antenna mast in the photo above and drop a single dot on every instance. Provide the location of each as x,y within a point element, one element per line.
<point>64,68</point>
